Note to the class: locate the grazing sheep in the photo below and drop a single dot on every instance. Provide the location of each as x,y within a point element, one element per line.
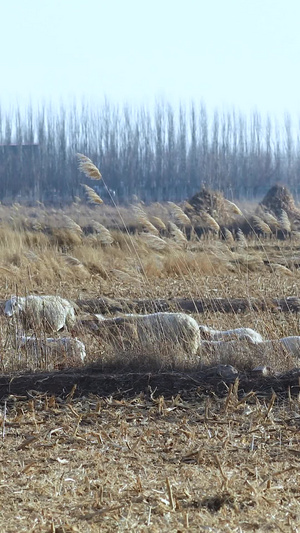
<point>223,348</point>
<point>51,313</point>
<point>238,333</point>
<point>153,331</point>
<point>291,345</point>
<point>62,351</point>
<point>226,348</point>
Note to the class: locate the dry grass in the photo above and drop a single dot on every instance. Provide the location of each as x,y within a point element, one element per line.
<point>66,260</point>
<point>147,463</point>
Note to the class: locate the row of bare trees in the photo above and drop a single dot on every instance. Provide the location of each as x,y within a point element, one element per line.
<point>158,154</point>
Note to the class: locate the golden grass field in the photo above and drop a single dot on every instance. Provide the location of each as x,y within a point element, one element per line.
<point>183,460</point>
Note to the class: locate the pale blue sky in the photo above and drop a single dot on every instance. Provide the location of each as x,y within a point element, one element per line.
<point>241,53</point>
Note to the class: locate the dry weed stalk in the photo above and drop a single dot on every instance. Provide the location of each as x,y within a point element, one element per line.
<point>138,211</point>
<point>123,276</point>
<point>10,271</point>
<point>228,236</point>
<point>284,221</point>
<point>271,405</point>
<point>259,225</point>
<point>31,256</point>
<point>270,219</point>
<point>160,207</point>
<point>170,495</point>
<point>71,225</point>
<point>242,242</point>
<point>188,207</point>
<point>207,221</point>
<point>276,267</point>
<point>158,223</point>
<point>247,262</point>
<point>178,235</point>
<point>73,261</point>
<point>148,226</point>
<point>103,234</point>
<point>179,215</point>
<point>136,199</point>
<point>142,219</point>
<point>93,197</point>
<point>88,168</point>
<point>153,241</point>
<point>233,207</point>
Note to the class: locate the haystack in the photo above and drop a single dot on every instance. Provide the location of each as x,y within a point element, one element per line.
<point>211,202</point>
<point>279,198</point>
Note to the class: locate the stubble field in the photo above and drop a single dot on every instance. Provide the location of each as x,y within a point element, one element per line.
<point>159,449</point>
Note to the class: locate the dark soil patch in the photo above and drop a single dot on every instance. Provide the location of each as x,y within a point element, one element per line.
<point>92,380</point>
<point>195,305</point>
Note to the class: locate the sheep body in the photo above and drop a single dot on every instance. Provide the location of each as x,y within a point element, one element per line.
<point>290,344</point>
<point>238,333</point>
<point>223,348</point>
<point>52,313</point>
<point>154,331</point>
<point>60,350</point>
<point>226,348</point>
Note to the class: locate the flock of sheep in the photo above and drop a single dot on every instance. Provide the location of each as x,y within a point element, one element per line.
<point>151,331</point>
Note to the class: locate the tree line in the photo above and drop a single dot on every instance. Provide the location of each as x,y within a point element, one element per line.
<point>164,153</point>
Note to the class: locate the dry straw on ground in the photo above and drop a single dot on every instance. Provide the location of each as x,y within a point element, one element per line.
<point>149,463</point>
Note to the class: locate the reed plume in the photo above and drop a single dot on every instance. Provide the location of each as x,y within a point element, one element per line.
<point>92,196</point>
<point>207,221</point>
<point>233,207</point>
<point>284,221</point>
<point>153,241</point>
<point>88,168</point>
<point>242,242</point>
<point>228,236</point>
<point>103,234</point>
<point>259,225</point>
<point>158,223</point>
<point>270,219</point>
<point>71,225</point>
<point>143,220</point>
<point>177,234</point>
<point>179,215</point>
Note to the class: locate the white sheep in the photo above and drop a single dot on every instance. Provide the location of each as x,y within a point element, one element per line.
<point>290,345</point>
<point>60,351</point>
<point>223,348</point>
<point>227,348</point>
<point>153,331</point>
<point>238,333</point>
<point>51,313</point>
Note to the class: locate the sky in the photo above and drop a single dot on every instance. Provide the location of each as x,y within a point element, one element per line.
<point>225,53</point>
